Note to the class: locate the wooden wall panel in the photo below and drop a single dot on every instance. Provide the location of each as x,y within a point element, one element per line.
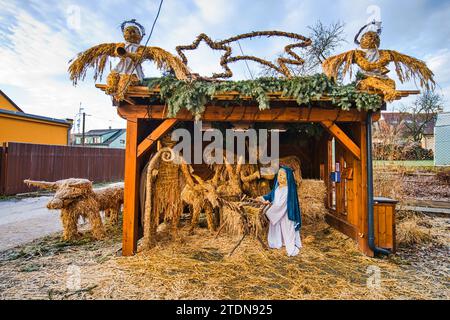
<point>384,219</point>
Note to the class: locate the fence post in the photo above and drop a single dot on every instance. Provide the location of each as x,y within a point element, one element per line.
<point>3,165</point>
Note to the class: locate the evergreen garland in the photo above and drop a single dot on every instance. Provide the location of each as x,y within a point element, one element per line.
<point>196,94</point>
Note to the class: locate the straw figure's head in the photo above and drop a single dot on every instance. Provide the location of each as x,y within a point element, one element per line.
<point>133,32</point>
<point>370,40</point>
<point>209,191</point>
<point>68,191</point>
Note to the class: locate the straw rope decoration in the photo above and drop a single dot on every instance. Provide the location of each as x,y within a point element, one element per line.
<point>279,66</point>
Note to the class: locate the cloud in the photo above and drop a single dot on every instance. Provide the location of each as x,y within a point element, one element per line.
<point>37,38</point>
<point>35,64</point>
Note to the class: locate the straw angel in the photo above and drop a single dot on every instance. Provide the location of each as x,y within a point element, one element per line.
<point>373,64</point>
<point>131,54</point>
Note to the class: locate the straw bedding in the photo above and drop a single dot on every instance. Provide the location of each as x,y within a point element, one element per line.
<point>329,267</point>
<point>410,231</point>
<point>312,195</point>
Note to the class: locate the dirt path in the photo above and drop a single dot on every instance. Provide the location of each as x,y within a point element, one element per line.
<point>23,220</point>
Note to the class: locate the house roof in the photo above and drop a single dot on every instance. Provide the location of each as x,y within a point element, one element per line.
<point>443,119</point>
<point>115,136</point>
<point>101,132</point>
<point>10,101</point>
<point>394,118</point>
<point>67,122</point>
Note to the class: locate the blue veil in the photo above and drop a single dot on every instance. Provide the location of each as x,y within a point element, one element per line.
<point>294,212</point>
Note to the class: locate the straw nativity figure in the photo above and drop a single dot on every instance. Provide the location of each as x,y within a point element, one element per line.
<point>373,65</point>
<point>76,198</point>
<point>129,70</point>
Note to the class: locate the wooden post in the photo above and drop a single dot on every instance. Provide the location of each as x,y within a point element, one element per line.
<point>131,196</point>
<point>362,200</point>
<point>329,170</point>
<point>3,165</point>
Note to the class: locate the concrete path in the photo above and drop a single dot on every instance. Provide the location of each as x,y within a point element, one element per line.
<point>24,220</point>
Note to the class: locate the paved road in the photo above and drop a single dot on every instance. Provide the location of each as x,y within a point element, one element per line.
<point>24,220</point>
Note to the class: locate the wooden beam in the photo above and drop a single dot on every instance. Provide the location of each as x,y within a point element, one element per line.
<point>244,114</point>
<point>161,130</point>
<point>340,135</point>
<point>131,194</point>
<point>363,225</point>
<point>341,225</point>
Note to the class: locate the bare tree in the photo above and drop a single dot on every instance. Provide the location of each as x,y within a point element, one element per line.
<point>420,114</point>
<point>325,40</point>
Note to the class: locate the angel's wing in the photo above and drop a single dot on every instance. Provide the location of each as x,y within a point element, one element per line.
<point>165,61</point>
<point>95,57</point>
<point>332,65</point>
<point>408,67</point>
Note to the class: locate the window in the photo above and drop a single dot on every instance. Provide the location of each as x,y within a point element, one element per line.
<point>97,139</point>
<point>78,140</point>
<point>122,141</point>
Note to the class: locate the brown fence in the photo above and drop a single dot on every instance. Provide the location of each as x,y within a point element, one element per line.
<point>19,161</point>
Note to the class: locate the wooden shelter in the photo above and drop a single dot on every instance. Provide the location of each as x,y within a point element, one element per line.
<point>342,147</point>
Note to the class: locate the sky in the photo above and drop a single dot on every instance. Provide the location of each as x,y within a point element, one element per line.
<point>38,38</point>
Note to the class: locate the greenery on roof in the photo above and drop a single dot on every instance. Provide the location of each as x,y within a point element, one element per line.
<point>195,95</point>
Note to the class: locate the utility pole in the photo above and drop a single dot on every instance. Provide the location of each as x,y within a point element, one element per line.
<point>84,125</point>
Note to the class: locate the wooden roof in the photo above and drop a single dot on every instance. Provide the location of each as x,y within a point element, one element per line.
<point>144,92</point>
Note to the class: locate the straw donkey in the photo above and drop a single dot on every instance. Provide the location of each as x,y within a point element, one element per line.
<point>184,187</point>
<point>76,198</point>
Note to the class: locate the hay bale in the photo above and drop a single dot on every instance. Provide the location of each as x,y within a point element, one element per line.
<point>312,195</point>
<point>410,232</point>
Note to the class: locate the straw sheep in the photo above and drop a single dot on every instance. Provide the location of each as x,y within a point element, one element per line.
<point>76,198</point>
<point>110,201</point>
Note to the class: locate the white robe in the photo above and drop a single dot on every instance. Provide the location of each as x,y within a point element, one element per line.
<point>281,229</point>
<point>127,66</point>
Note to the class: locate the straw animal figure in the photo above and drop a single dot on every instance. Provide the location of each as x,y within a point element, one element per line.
<point>373,64</point>
<point>201,196</point>
<point>110,200</point>
<point>132,54</point>
<point>234,181</point>
<point>75,198</point>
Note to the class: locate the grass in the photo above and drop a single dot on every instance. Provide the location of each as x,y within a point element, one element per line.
<point>6,198</point>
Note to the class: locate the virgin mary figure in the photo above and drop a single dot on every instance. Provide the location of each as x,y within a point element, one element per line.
<point>284,213</point>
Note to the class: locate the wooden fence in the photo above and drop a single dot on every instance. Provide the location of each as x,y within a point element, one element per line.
<point>19,161</point>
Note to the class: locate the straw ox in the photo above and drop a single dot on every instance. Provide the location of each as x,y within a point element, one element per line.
<point>76,198</point>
